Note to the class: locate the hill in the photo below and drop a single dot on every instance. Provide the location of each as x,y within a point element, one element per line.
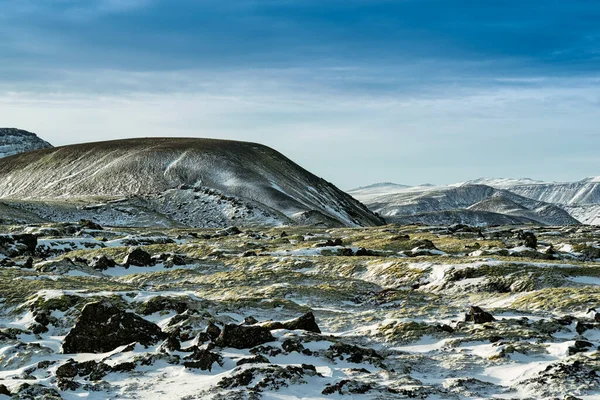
<point>175,181</point>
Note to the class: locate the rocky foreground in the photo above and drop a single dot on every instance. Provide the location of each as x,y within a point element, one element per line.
<point>375,313</point>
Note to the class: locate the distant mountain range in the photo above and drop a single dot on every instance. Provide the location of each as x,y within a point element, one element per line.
<point>487,201</point>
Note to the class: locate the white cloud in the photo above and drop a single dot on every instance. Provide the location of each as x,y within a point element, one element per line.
<point>350,137</point>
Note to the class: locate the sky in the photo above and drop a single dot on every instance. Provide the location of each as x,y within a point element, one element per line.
<point>356,91</point>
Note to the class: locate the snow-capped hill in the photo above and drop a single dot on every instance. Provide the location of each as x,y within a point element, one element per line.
<point>15,141</point>
<point>190,181</point>
<point>369,192</point>
<point>503,183</point>
<point>480,204</point>
<point>380,186</point>
<point>584,192</point>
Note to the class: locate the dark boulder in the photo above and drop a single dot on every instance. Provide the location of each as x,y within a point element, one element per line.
<point>18,245</point>
<point>580,346</point>
<point>243,337</point>
<point>102,263</point>
<point>354,354</point>
<point>347,387</point>
<point>138,258</point>
<point>202,359</point>
<point>68,370</point>
<point>291,345</point>
<point>4,390</point>
<point>102,327</point>
<point>213,331</point>
<point>529,239</point>
<point>362,252</point>
<point>478,316</point>
<point>306,323</point>
<point>68,384</point>
<point>257,359</point>
<point>163,303</point>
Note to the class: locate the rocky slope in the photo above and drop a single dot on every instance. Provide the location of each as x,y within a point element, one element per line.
<point>469,204</point>
<point>448,313</point>
<point>15,141</point>
<point>174,182</point>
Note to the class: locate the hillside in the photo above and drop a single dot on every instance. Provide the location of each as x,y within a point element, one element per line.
<point>186,182</point>
<point>15,141</point>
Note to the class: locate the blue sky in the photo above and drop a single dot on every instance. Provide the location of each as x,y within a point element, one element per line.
<point>357,91</point>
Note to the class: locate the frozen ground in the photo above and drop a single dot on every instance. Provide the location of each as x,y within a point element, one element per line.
<point>88,312</point>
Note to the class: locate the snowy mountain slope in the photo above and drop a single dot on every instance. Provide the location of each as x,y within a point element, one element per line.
<point>184,179</point>
<point>378,189</point>
<point>503,183</point>
<point>15,141</point>
<point>585,191</point>
<point>461,197</point>
<point>504,203</point>
<point>588,214</point>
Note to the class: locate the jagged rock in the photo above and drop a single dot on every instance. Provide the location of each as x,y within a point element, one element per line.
<point>257,359</point>
<point>563,377</point>
<point>18,245</point>
<point>291,345</point>
<point>353,354</point>
<point>4,390</point>
<point>38,329</point>
<point>583,326</point>
<point>243,337</point>
<point>68,370</point>
<point>275,377</point>
<point>162,303</point>
<point>172,343</point>
<point>202,359</point>
<point>138,258</point>
<point>68,384</point>
<point>102,263</point>
<point>36,392</point>
<point>102,327</point>
<point>478,316</point>
<point>213,331</point>
<point>124,367</point>
<point>580,346</point>
<point>347,387</point>
<point>529,239</point>
<point>306,323</point>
